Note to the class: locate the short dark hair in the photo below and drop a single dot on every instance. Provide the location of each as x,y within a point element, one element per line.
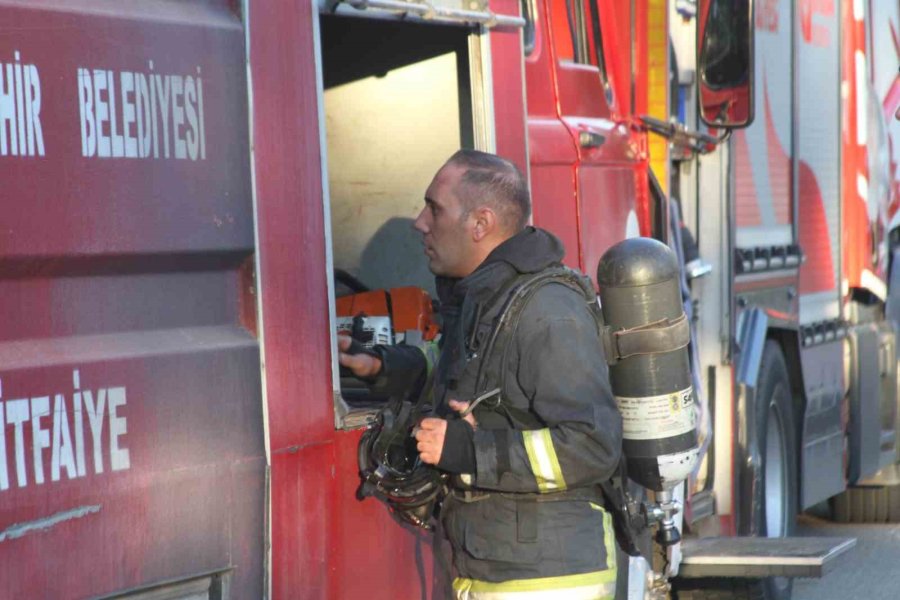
<point>496,182</point>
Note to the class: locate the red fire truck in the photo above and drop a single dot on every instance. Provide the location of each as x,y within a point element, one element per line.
<point>200,181</point>
<point>796,216</point>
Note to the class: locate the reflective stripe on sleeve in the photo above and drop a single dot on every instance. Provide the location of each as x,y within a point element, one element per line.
<point>599,585</point>
<point>544,463</point>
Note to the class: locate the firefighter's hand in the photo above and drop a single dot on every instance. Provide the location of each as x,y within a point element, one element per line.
<point>361,364</point>
<point>431,433</point>
<point>430,440</point>
<point>460,407</point>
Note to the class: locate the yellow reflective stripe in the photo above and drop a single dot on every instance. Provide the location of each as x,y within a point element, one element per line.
<point>608,536</point>
<point>554,460</point>
<point>593,584</point>
<point>607,591</point>
<point>543,459</point>
<point>529,437</point>
<point>610,541</point>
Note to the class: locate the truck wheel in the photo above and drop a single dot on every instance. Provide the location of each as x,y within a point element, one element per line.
<point>777,439</point>
<point>867,505</point>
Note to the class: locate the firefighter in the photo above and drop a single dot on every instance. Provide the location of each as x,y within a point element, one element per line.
<point>524,514</point>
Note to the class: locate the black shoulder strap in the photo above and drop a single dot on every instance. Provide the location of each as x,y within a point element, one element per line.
<point>627,522</point>
<point>507,322</point>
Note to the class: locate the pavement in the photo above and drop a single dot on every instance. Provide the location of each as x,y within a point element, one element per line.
<point>869,571</point>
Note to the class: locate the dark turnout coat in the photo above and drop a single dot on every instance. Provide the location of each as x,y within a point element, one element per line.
<point>533,510</point>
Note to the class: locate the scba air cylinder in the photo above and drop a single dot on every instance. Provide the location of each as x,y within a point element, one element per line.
<point>646,336</point>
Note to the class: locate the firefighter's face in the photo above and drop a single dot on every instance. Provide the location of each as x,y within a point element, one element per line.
<point>446,227</point>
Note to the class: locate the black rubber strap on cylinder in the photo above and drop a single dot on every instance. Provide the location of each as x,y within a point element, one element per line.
<point>653,338</point>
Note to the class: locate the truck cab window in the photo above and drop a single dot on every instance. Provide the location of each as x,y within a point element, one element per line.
<point>397,103</point>
<point>577,35</point>
<point>528,32</point>
<point>724,58</point>
<point>595,39</point>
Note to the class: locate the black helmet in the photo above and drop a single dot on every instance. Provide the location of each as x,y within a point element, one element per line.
<point>391,469</point>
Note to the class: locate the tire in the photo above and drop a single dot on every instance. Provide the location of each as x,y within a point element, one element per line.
<point>867,505</point>
<point>777,439</point>
<point>894,504</point>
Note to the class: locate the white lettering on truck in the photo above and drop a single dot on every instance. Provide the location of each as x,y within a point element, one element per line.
<point>20,109</point>
<point>129,114</point>
<point>51,430</point>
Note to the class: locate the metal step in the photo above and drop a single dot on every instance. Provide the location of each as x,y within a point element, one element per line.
<point>761,557</point>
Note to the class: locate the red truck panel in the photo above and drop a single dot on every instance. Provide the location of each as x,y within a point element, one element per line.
<point>325,543</point>
<point>763,182</point>
<point>817,33</point>
<point>131,446</point>
<point>294,307</point>
<point>590,193</point>
<point>509,89</point>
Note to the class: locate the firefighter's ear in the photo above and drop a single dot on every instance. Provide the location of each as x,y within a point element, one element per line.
<point>485,223</point>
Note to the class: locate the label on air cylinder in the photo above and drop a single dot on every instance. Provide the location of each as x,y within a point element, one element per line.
<point>657,417</point>
<point>677,467</point>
